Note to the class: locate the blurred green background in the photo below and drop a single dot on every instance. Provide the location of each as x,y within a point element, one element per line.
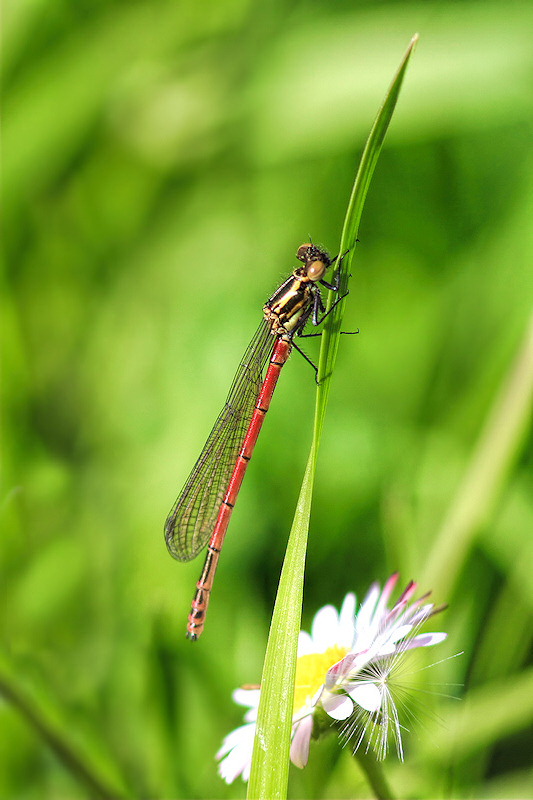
<point>162,163</point>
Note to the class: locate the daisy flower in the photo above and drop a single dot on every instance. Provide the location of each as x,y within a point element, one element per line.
<point>343,668</point>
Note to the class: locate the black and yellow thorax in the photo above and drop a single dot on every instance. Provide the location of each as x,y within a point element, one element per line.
<point>290,306</point>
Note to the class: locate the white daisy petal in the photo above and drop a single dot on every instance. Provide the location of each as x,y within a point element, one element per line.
<point>338,706</point>
<point>421,614</point>
<point>246,770</point>
<point>346,621</point>
<point>366,695</point>
<point>337,671</point>
<point>316,697</point>
<point>238,746</point>
<point>385,594</point>
<point>424,640</point>
<point>385,649</point>
<point>366,611</point>
<point>234,739</point>
<point>305,644</point>
<point>400,632</point>
<point>299,752</point>
<point>251,714</point>
<point>324,628</point>
<point>366,622</point>
<point>246,697</point>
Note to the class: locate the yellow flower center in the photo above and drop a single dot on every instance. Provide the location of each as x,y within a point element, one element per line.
<point>311,673</point>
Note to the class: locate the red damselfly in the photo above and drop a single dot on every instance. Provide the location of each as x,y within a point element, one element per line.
<point>202,512</point>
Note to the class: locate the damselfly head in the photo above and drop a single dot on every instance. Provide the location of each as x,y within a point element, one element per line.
<point>316,261</point>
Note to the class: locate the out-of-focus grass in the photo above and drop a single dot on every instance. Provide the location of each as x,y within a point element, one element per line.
<point>161,166</point>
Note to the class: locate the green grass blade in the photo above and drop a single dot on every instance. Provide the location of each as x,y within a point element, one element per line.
<point>270,760</point>
<point>498,446</point>
<point>99,775</point>
<point>331,334</point>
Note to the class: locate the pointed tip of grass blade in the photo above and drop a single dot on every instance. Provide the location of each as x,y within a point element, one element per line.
<point>371,151</point>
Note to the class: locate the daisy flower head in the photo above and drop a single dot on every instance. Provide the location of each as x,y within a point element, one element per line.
<point>343,672</point>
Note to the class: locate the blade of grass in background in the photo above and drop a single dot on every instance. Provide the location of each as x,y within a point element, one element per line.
<point>270,760</point>
<point>497,448</point>
<point>99,776</point>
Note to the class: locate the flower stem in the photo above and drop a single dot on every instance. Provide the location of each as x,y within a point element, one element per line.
<point>374,772</point>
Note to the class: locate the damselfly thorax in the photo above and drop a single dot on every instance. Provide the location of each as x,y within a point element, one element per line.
<point>289,308</point>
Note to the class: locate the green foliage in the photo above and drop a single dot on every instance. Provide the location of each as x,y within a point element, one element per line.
<point>161,166</point>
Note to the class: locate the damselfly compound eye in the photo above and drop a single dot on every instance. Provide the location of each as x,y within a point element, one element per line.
<point>315,270</point>
<point>309,254</point>
<point>304,252</point>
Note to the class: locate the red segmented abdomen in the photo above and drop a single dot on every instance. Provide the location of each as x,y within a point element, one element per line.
<point>196,619</point>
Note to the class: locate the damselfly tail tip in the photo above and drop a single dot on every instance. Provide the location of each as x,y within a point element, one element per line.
<point>192,636</point>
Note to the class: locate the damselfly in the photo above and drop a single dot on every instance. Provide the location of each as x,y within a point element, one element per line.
<point>202,511</point>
